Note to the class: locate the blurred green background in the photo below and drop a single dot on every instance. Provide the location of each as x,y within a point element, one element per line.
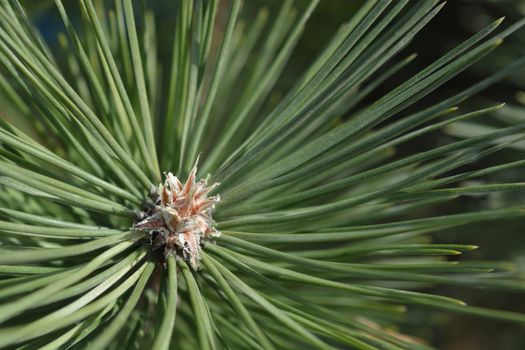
<point>498,240</point>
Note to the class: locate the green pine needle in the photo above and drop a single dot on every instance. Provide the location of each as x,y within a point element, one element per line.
<point>326,231</point>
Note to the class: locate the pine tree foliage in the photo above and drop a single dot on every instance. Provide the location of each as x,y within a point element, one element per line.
<point>325,229</point>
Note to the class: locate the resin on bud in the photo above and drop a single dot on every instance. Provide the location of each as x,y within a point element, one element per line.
<point>181,220</point>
